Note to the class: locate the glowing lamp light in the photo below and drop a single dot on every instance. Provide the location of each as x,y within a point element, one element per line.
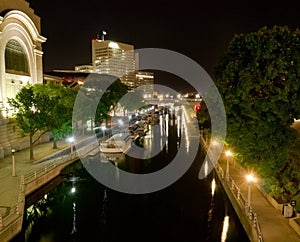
<point>228,153</point>
<point>73,190</point>
<point>214,143</point>
<point>250,178</point>
<point>70,139</point>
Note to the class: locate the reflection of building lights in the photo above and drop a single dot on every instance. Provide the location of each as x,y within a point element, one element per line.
<point>205,168</point>
<point>73,190</point>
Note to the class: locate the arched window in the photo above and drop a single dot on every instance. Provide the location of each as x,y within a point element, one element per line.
<point>16,61</point>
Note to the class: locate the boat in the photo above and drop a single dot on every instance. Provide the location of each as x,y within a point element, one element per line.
<point>118,143</point>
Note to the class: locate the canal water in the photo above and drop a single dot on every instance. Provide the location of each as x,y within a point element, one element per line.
<point>79,208</point>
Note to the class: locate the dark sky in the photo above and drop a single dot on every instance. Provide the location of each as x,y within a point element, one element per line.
<point>200,30</point>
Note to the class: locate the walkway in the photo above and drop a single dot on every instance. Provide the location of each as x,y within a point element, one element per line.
<point>274,227</point>
<point>10,186</point>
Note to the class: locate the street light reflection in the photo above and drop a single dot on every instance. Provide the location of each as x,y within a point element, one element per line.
<point>225,228</point>
<point>213,187</point>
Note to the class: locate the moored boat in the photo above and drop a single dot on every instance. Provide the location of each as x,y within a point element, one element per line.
<point>118,143</point>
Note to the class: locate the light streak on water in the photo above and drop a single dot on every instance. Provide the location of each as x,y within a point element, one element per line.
<point>213,187</point>
<point>225,228</point>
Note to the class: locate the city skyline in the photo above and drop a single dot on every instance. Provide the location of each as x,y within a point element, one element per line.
<point>201,31</point>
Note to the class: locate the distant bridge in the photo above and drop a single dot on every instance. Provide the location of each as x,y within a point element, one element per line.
<point>173,101</point>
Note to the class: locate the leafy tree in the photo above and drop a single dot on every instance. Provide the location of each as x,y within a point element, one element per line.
<point>44,108</point>
<point>62,100</point>
<point>101,90</point>
<point>32,113</point>
<point>259,79</point>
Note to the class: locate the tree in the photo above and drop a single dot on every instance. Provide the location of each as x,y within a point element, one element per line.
<point>62,99</point>
<point>32,113</point>
<point>97,98</point>
<point>44,108</point>
<point>258,77</point>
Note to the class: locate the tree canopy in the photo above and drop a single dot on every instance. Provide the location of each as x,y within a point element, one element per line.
<point>43,108</point>
<point>258,77</point>
<point>100,93</point>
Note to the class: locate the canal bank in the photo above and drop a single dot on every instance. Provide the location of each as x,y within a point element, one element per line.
<point>30,176</point>
<point>262,221</point>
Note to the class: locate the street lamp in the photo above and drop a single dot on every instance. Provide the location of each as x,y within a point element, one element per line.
<point>103,131</point>
<point>71,141</point>
<point>13,162</point>
<point>228,154</point>
<point>250,178</point>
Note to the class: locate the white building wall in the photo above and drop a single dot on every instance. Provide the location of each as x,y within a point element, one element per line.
<point>16,25</point>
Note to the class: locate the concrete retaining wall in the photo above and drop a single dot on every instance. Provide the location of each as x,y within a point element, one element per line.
<point>11,137</point>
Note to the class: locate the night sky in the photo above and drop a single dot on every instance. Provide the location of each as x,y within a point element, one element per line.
<point>200,30</point>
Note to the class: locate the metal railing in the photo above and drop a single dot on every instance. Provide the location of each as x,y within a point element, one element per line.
<point>15,211</point>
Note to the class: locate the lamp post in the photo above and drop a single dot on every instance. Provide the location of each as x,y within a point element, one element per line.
<point>103,131</point>
<point>250,178</point>
<point>71,141</point>
<point>228,154</point>
<point>13,162</point>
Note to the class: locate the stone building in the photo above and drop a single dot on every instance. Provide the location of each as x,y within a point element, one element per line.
<point>20,60</point>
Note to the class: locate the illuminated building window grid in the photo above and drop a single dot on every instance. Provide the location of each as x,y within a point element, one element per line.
<point>16,59</point>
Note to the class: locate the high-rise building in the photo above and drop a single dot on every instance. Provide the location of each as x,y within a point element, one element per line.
<point>114,58</point>
<point>120,60</point>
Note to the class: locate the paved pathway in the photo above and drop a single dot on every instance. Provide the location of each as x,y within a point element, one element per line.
<point>9,185</point>
<point>274,227</point>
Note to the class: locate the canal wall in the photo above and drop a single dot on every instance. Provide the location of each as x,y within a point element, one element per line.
<point>11,137</point>
<point>244,212</point>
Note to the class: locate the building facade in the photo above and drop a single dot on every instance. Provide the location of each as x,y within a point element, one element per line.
<point>120,60</point>
<point>20,63</point>
<point>113,58</point>
<point>20,48</point>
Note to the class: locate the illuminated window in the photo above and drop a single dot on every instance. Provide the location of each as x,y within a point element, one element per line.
<point>16,61</point>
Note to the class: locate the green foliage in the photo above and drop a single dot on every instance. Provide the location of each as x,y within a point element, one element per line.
<point>258,77</point>
<point>43,108</point>
<point>101,93</point>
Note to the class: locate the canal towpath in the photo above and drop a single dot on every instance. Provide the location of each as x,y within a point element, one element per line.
<point>273,225</point>
<point>10,185</point>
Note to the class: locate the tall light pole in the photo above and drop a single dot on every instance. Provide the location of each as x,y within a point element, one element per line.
<point>250,178</point>
<point>13,162</point>
<point>71,141</point>
<point>228,155</point>
<point>103,131</point>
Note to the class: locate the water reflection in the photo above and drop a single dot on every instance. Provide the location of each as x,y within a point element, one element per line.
<point>189,210</point>
<point>74,230</point>
<point>213,187</point>
<point>225,229</point>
